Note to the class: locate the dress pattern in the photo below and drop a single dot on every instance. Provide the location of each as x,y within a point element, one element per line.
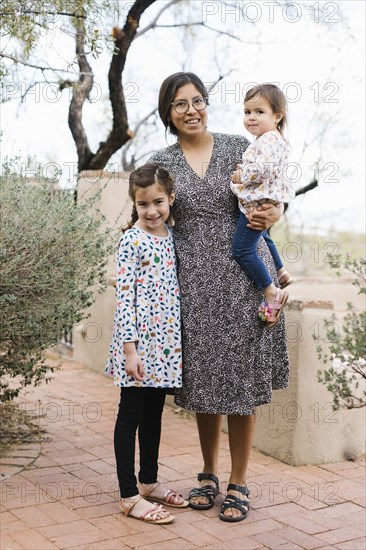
<point>264,172</point>
<point>148,310</point>
<point>231,360</point>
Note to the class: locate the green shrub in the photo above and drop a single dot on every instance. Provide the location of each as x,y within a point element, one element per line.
<point>345,378</point>
<point>53,260</point>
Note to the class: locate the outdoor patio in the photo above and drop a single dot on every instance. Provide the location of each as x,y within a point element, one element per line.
<point>62,492</point>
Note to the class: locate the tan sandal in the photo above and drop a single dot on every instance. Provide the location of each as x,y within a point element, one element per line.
<point>150,516</point>
<point>168,497</point>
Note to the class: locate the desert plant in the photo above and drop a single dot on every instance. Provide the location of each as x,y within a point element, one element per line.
<point>345,378</point>
<point>53,260</point>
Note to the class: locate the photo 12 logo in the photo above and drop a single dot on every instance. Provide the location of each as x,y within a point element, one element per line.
<point>271,12</point>
<point>52,92</point>
<point>293,91</point>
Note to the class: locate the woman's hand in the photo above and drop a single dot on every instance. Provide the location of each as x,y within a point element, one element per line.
<point>134,366</point>
<point>261,218</point>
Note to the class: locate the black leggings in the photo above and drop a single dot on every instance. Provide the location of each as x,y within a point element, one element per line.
<point>140,408</point>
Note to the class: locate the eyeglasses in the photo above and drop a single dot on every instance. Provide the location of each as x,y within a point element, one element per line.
<point>181,106</point>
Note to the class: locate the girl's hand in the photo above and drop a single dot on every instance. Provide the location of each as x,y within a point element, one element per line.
<point>261,218</point>
<point>134,366</point>
<point>236,175</point>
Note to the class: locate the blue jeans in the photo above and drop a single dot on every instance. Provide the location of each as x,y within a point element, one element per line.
<point>245,244</point>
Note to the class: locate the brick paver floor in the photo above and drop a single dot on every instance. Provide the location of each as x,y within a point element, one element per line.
<point>62,492</point>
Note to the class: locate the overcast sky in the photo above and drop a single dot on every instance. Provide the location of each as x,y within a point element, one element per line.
<point>316,57</point>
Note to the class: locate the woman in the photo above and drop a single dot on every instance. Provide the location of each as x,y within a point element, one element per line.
<point>231,361</point>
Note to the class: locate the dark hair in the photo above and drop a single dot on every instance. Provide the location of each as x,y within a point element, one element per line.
<point>275,98</point>
<point>143,177</point>
<point>167,93</point>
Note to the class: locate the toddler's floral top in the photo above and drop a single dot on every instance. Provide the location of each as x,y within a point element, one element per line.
<point>148,310</point>
<point>264,174</point>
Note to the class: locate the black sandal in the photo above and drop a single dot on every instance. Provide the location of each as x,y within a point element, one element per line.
<point>234,502</point>
<point>207,491</point>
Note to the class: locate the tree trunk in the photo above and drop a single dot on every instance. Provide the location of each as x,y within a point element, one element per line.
<point>120,132</point>
<point>80,92</point>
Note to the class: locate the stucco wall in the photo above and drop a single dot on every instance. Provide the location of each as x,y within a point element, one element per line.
<point>92,337</point>
<point>299,426</point>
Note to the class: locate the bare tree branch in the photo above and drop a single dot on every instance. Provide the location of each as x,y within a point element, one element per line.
<point>39,67</point>
<point>33,12</point>
<point>200,24</point>
<point>80,92</point>
<point>219,78</point>
<point>306,188</point>
<point>155,20</point>
<point>33,85</point>
<point>125,163</point>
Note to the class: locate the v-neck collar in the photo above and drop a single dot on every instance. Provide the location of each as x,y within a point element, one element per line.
<point>209,164</point>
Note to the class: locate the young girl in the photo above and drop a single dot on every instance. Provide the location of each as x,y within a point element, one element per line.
<point>145,354</point>
<point>258,180</point>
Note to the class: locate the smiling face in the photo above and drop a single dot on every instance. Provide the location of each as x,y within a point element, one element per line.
<point>153,209</point>
<point>193,122</point>
<point>259,117</point>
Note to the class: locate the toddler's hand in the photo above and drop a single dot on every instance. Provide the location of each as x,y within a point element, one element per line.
<point>236,175</point>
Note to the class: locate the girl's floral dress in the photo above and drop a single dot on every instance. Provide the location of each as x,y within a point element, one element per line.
<point>148,310</point>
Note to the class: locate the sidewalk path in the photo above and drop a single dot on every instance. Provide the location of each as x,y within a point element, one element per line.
<point>62,493</point>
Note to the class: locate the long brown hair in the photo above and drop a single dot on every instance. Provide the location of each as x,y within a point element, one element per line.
<point>143,177</point>
<point>167,93</point>
<point>275,98</point>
